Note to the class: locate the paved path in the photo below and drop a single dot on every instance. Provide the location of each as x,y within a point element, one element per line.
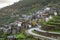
<point>41,36</point>
<point>47,31</point>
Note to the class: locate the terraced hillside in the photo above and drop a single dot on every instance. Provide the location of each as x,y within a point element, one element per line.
<point>52,25</point>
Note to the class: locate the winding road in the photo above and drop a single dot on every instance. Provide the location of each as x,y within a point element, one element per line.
<point>29,31</point>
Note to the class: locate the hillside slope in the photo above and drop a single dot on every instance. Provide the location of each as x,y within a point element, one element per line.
<point>24,7</point>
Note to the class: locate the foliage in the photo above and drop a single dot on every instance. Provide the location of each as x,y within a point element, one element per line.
<point>34,23</point>
<point>53,24</point>
<point>23,36</point>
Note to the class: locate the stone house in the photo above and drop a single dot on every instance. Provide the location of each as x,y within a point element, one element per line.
<point>11,38</point>
<point>7,29</point>
<point>14,29</point>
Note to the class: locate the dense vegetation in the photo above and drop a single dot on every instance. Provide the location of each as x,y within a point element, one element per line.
<point>24,36</point>
<point>24,7</point>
